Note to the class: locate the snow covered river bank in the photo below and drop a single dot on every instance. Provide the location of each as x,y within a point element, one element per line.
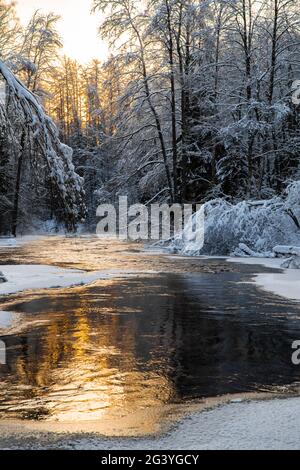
<point>271,425</point>
<point>151,339</point>
<point>284,282</point>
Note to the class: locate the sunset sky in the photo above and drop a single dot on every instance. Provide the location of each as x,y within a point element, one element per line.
<point>77,27</point>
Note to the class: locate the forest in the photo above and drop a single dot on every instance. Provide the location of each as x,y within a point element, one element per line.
<point>149,227</point>
<point>194,104</point>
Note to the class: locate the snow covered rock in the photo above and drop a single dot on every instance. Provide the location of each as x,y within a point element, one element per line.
<point>293,253</point>
<point>244,251</point>
<point>292,263</point>
<point>2,278</point>
<point>287,250</point>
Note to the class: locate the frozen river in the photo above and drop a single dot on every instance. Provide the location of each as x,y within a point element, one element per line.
<point>132,353</point>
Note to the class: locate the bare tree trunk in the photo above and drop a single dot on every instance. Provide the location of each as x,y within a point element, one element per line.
<point>153,110</point>
<point>274,52</point>
<point>18,187</point>
<point>173,103</point>
<point>184,59</point>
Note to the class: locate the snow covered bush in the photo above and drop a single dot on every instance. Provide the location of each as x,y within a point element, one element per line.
<point>260,225</point>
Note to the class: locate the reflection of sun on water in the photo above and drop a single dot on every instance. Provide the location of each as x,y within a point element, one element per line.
<point>89,372</point>
<point>125,356</point>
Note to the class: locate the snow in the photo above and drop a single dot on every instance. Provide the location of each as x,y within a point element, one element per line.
<point>243,251</point>
<point>258,225</point>
<point>287,250</point>
<point>28,277</point>
<point>258,425</point>
<point>7,319</point>
<point>284,283</point>
<point>252,230</point>
<point>67,184</point>
<point>8,243</point>
<point>292,263</point>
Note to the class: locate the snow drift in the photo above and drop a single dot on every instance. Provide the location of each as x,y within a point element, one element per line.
<point>258,225</point>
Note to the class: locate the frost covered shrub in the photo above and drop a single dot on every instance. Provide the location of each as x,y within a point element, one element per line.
<point>258,224</point>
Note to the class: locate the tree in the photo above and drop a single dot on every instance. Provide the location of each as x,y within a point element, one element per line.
<point>27,127</point>
<point>127,18</point>
<point>41,44</point>
<point>10,30</point>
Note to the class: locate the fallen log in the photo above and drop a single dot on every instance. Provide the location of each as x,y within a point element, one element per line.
<point>286,250</point>
<point>243,251</point>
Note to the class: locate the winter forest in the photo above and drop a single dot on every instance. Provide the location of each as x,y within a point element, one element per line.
<point>194,104</point>
<point>149,227</point>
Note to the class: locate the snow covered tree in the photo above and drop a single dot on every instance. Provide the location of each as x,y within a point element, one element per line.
<point>10,30</point>
<point>193,104</point>
<point>33,141</point>
<point>128,21</point>
<point>206,93</point>
<point>39,50</point>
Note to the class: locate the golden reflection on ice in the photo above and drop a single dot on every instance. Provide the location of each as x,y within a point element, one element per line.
<point>125,355</point>
<point>86,368</point>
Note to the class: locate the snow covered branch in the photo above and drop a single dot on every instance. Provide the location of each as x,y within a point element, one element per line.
<point>23,109</point>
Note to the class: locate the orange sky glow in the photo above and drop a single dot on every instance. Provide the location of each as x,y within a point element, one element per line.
<point>77,27</point>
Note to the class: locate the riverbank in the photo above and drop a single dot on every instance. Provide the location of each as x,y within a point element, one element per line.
<point>100,362</point>
<point>58,270</point>
<point>264,425</point>
<point>284,282</point>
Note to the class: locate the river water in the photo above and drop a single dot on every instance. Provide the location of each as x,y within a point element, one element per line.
<point>160,335</point>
